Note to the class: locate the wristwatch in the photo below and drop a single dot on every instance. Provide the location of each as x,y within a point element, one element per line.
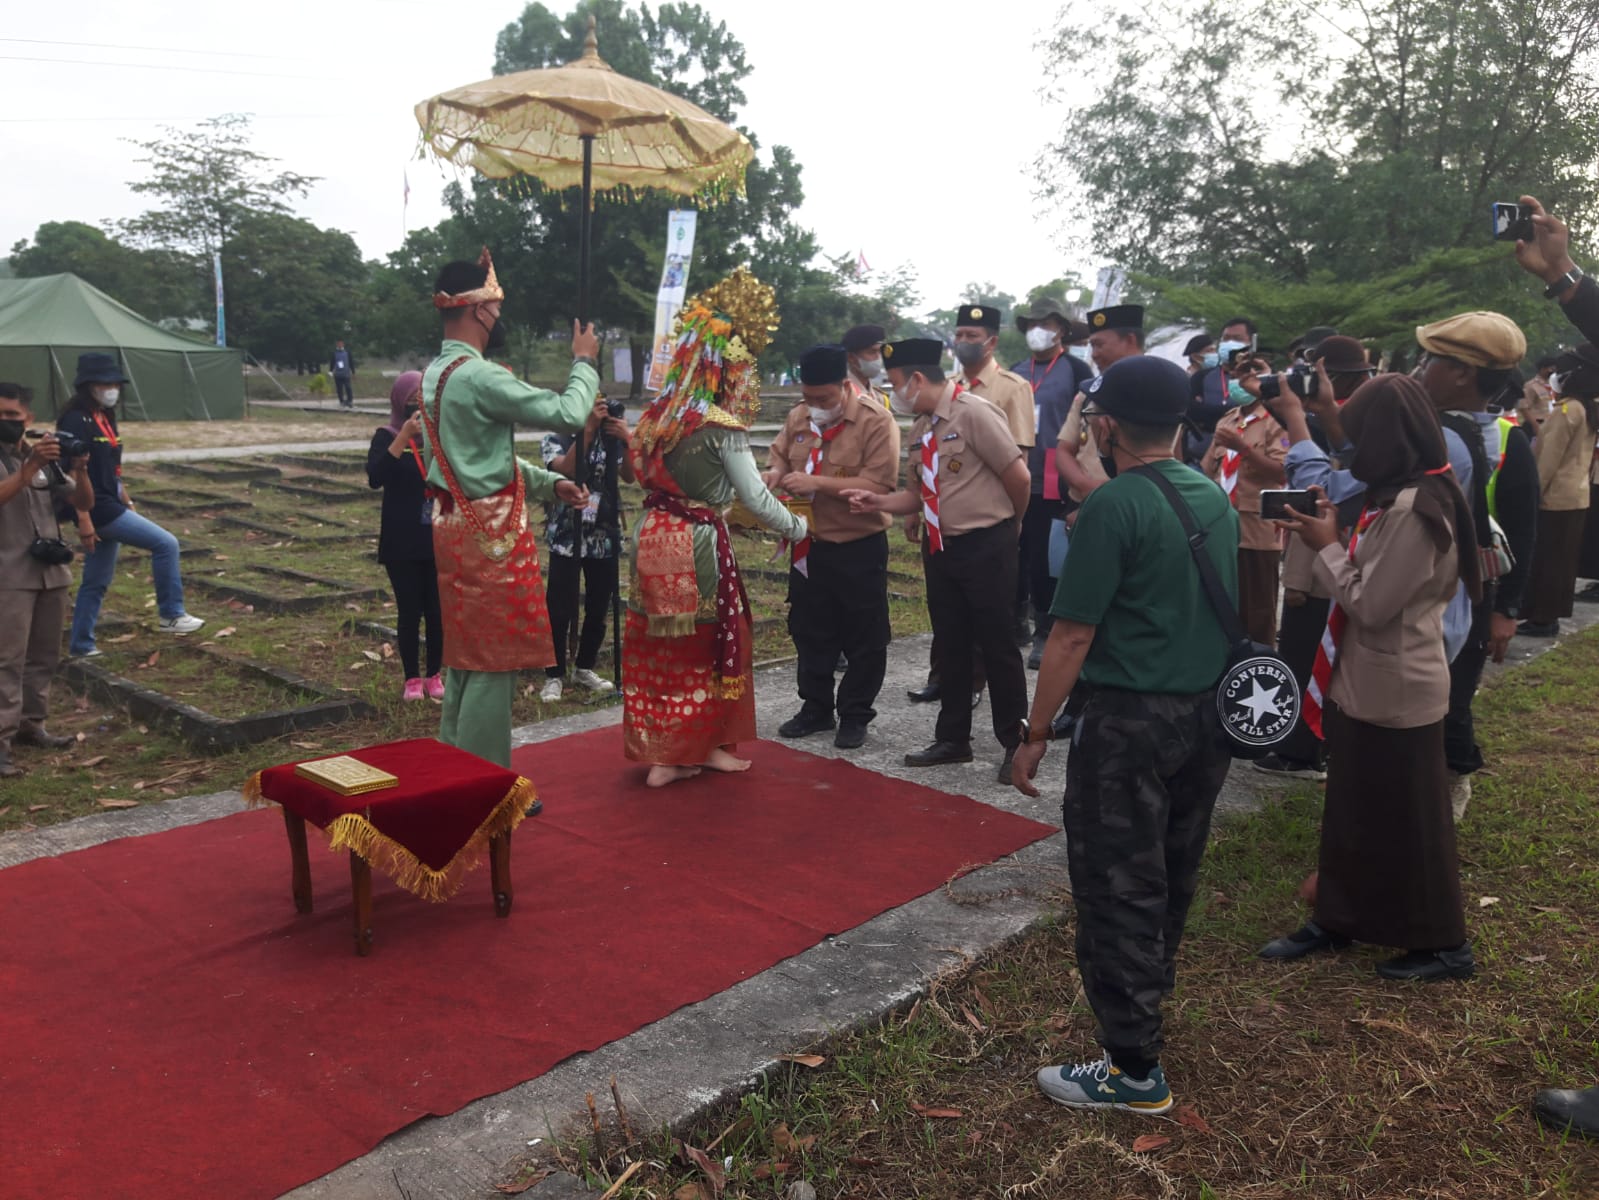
<point>1564,284</point>
<point>1025,729</point>
<point>586,358</point>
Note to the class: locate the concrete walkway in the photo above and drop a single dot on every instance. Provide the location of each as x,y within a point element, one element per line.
<point>670,1071</point>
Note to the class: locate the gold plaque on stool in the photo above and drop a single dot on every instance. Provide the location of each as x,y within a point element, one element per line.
<point>346,775</point>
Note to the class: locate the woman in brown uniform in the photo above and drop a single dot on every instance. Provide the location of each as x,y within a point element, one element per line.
<point>1389,874</point>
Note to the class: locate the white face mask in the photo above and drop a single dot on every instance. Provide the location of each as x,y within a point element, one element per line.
<point>1040,339</point>
<point>110,396</point>
<point>872,370</point>
<point>902,402</point>
<point>823,417</point>
<point>1555,380</point>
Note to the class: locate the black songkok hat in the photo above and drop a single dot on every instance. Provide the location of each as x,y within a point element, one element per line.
<point>862,337</point>
<point>824,364</point>
<point>914,353</point>
<point>1122,318</point>
<point>1197,343</point>
<point>978,314</point>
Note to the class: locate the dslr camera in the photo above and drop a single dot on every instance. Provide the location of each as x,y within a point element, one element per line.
<point>71,447</point>
<point>616,408</point>
<point>1301,382</point>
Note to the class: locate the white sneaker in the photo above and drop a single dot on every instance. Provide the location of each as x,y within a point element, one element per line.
<point>551,692</point>
<point>585,678</point>
<point>183,624</point>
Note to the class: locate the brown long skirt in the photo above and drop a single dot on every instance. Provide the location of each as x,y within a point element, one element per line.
<point>1552,581</point>
<point>1389,871</point>
<point>1588,560</point>
<point>1257,593</point>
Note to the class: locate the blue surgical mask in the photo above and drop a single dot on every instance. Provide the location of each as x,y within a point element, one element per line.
<point>1225,350</point>
<point>1211,359</point>
<point>1237,395</point>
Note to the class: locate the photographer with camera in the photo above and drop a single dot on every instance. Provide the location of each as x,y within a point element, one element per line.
<point>33,572</point>
<point>1246,457</point>
<point>585,542</point>
<point>91,418</point>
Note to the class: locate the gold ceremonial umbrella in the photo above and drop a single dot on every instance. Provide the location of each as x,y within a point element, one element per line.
<point>584,124</point>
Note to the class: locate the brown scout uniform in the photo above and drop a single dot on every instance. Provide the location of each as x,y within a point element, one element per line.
<point>33,597</point>
<point>1012,395</point>
<point>1259,541</point>
<point>867,447</point>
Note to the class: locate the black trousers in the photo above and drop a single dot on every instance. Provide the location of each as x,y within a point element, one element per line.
<point>1033,579</point>
<point>345,388</point>
<point>971,596</point>
<point>1142,778</point>
<point>1461,751</point>
<point>842,607</point>
<point>416,595</point>
<point>599,577</point>
<point>1297,639</point>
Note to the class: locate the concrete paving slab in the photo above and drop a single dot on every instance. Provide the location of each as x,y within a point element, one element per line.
<point>672,1070</point>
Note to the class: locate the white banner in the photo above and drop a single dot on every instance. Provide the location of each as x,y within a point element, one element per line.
<point>674,290</point>
<point>1108,288</point>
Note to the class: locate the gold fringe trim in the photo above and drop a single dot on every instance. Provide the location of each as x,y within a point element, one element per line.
<point>670,624</point>
<point>355,833</point>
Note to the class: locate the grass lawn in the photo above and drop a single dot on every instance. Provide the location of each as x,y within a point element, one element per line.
<point>119,761</point>
<point>1307,1080</point>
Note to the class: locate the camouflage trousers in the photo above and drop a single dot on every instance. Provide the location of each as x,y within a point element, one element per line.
<point>1141,783</point>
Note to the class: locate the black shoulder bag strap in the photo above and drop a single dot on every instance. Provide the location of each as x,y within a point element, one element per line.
<point>1226,612</point>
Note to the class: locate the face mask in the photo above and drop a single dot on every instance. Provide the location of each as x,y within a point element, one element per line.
<point>1080,353</point>
<point>902,402</point>
<point>11,431</point>
<point>110,396</point>
<point>1040,339</point>
<point>823,417</point>
<point>872,370</point>
<point>1225,349</point>
<point>1555,381</point>
<point>1212,359</point>
<point>1237,395</point>
<point>496,341</point>
<point>969,354</point>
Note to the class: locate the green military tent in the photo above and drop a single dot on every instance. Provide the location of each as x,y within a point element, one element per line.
<point>46,322</point>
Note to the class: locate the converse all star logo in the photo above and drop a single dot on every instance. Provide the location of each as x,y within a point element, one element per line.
<point>1258,699</point>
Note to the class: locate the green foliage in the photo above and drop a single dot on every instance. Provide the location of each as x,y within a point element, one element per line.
<point>1416,114</point>
<point>291,286</point>
<point>156,283</point>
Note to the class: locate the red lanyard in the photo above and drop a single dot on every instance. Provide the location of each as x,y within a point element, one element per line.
<point>105,428</point>
<point>1032,366</point>
<point>416,454</point>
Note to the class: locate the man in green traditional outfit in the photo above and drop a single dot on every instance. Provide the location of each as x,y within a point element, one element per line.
<point>495,621</point>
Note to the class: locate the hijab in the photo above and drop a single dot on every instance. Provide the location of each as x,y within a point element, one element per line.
<point>407,385</point>
<point>1399,444</point>
<point>1578,371</point>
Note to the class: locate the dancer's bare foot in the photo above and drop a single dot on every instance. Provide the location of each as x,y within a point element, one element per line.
<point>721,760</point>
<point>660,776</point>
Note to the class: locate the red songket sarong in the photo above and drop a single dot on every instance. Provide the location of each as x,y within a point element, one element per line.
<point>673,709</point>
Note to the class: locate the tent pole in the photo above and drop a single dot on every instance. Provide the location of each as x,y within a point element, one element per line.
<point>144,413</point>
<point>198,390</point>
<point>257,362</point>
<point>65,388</point>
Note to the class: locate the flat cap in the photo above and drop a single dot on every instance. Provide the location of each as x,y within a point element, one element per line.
<point>985,315</point>
<point>824,364</point>
<point>913,353</point>
<point>1479,339</point>
<point>1121,318</point>
<point>863,336</point>
<point>1141,389</point>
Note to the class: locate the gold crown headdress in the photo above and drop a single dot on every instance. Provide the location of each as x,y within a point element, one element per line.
<point>750,307</point>
<point>489,292</point>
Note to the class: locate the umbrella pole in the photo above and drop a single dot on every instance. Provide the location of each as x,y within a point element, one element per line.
<point>585,230</point>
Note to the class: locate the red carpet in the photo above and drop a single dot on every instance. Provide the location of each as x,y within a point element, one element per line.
<point>170,1028</point>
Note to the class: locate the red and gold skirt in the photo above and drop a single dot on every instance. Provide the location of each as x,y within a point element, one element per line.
<point>494,614</point>
<point>673,710</point>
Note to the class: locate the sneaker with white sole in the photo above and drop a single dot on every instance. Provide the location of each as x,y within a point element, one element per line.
<point>1100,1084</point>
<point>180,624</point>
<point>585,678</point>
<point>1275,764</point>
<point>551,691</point>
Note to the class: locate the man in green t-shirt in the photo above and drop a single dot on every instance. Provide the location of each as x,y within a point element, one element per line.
<point>1138,648</point>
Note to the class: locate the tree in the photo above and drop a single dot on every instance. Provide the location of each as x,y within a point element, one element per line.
<point>208,181</point>
<point>155,283</point>
<point>292,288</point>
<point>1417,113</point>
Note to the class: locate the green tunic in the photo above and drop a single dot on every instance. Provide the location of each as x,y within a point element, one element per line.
<point>713,465</point>
<point>483,404</point>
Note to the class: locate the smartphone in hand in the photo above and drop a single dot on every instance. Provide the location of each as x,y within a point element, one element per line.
<point>1511,222</point>
<point>1275,502</point>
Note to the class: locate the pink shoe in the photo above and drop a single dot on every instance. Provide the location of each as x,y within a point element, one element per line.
<point>435,685</point>
<point>413,689</point>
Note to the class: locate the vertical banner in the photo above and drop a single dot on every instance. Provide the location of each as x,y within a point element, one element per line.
<point>222,321</point>
<point>674,290</point>
<point>1108,288</point>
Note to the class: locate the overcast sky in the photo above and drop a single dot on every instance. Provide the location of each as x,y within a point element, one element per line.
<point>867,93</point>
